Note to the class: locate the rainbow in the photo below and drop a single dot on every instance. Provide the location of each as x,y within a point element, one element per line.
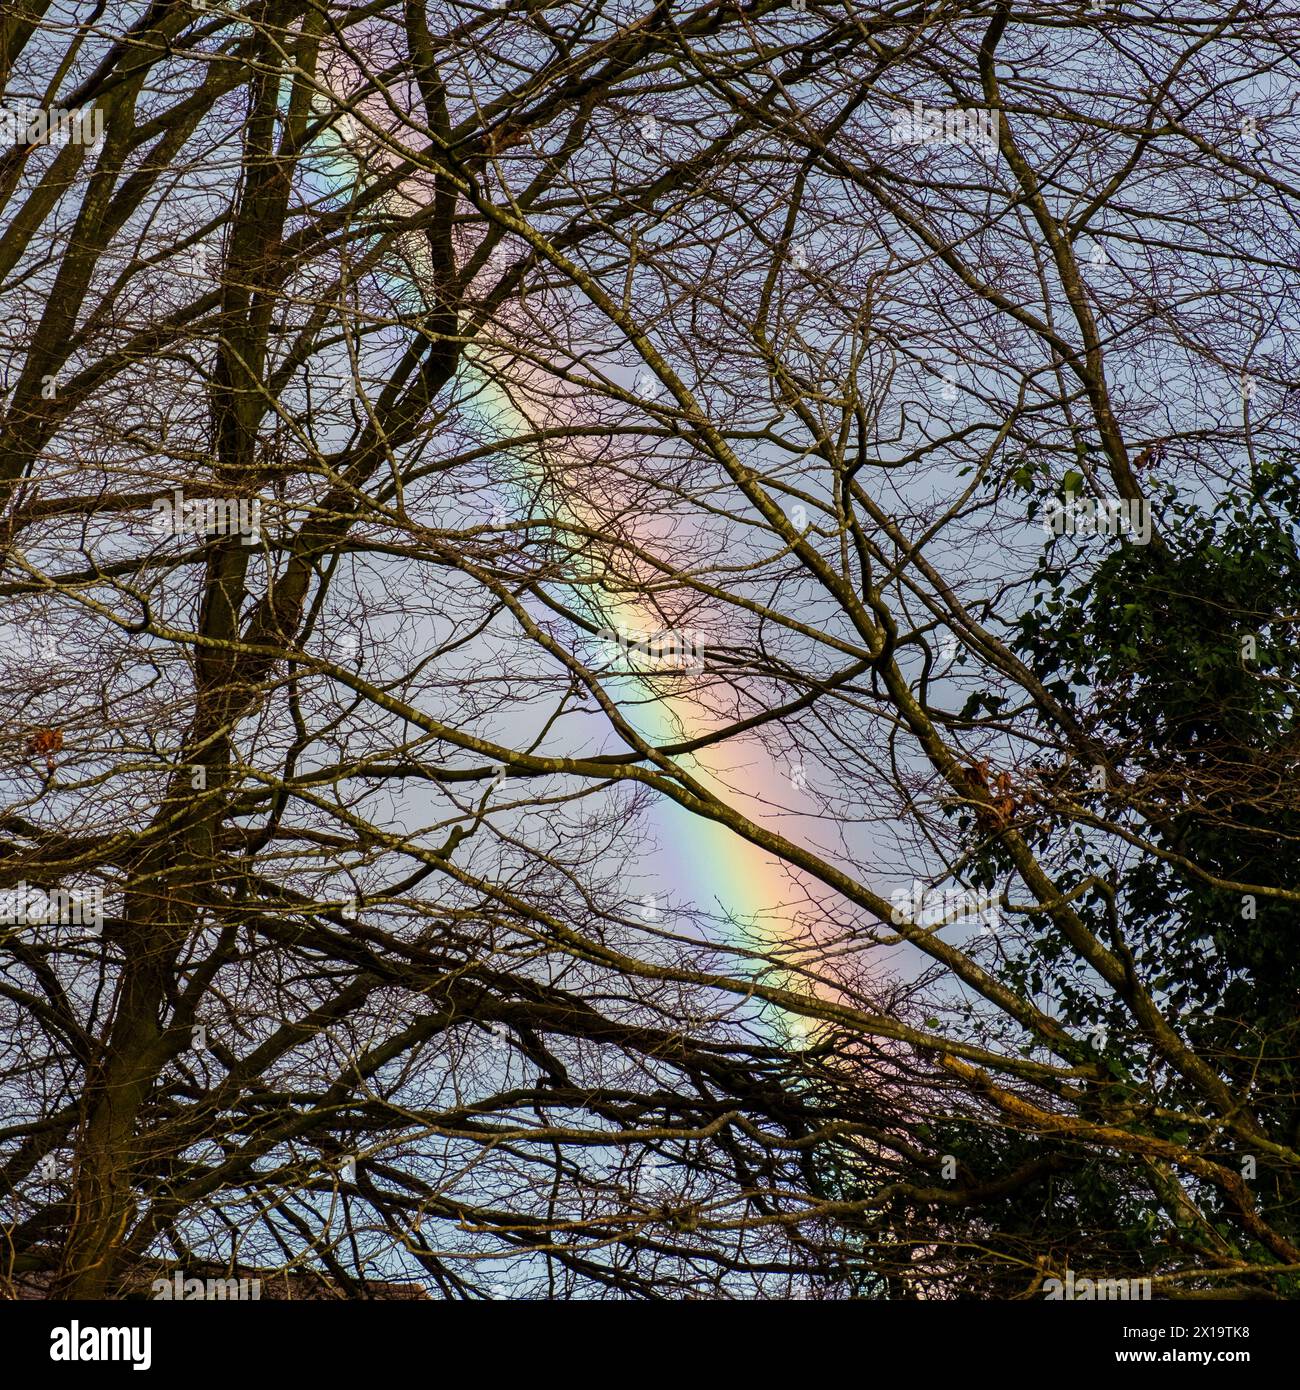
<point>698,864</point>
<point>709,864</point>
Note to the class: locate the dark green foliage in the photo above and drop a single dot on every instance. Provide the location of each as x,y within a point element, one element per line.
<point>1147,649</point>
